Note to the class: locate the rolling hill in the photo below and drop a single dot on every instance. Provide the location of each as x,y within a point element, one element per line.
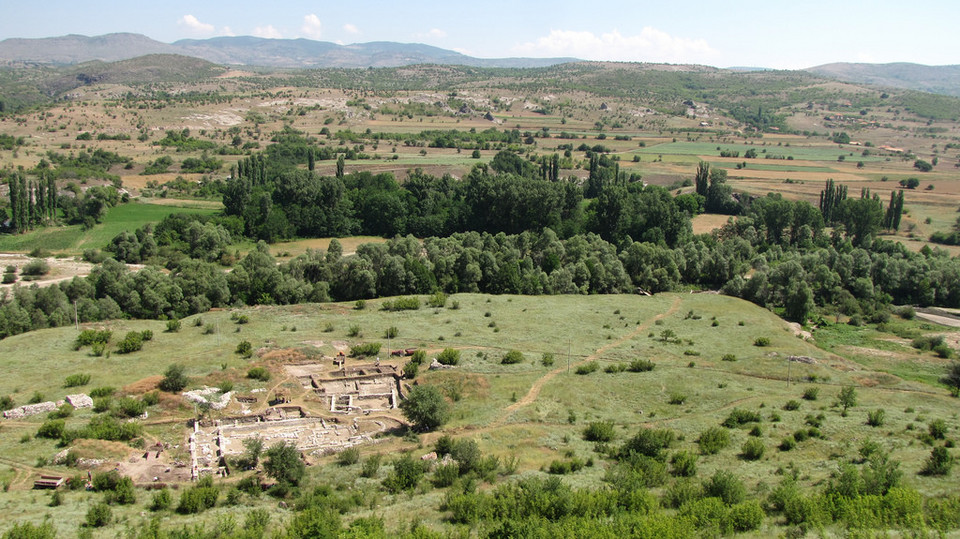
<point>933,79</point>
<point>247,50</point>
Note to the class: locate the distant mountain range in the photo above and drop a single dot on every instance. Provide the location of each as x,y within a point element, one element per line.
<point>248,51</point>
<point>934,79</point>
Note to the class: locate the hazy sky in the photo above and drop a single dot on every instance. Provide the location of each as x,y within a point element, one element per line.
<point>775,33</point>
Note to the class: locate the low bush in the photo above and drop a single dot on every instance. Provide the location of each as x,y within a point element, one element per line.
<point>875,418</point>
<point>811,393</point>
<point>132,342</point>
<point>259,373</point>
<point>512,358</point>
<point>76,380</point>
<point>791,405</point>
<point>939,463</point>
<point>641,365</point>
<point>728,357</point>
<point>587,368</point>
<point>365,349</point>
<point>726,486</point>
<point>761,341</point>
<point>401,304</point>
<point>712,440</point>
<point>683,464</point>
<point>752,449</point>
<point>787,444</point>
<point>739,417</point>
<point>599,431</point>
<point>348,456</point>
<point>449,356</point>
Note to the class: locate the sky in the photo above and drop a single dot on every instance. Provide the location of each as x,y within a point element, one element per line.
<point>734,33</point>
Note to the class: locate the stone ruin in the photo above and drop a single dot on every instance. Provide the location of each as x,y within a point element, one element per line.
<point>360,389</point>
<point>213,442</point>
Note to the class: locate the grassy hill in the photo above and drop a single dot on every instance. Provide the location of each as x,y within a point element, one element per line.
<point>529,415</point>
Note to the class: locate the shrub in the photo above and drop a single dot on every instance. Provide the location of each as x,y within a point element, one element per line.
<point>512,358</point>
<point>391,332</point>
<point>52,429</point>
<point>712,440</point>
<point>173,326</point>
<point>348,456</point>
<point>406,473</point>
<point>792,405</point>
<point>449,356</point>
<point>677,398</point>
<point>811,393</point>
<point>728,357</point>
<point>587,368</point>
<point>939,462</point>
<point>684,464</point>
<point>354,331</point>
<point>875,417</point>
<point>726,486</point>
<point>174,379</point>
<point>547,359</point>
<point>365,349</point>
<point>259,373</point>
<point>599,431</point>
<point>6,403</point>
<point>410,370</point>
<point>161,500</point>
<point>938,429</point>
<point>761,341</point>
<point>445,474</point>
<point>99,515</point>
<point>103,391</point>
<point>35,268</point>
<point>132,342</point>
<point>244,349</point>
<point>438,300</point>
<point>370,466</point>
<point>91,336</point>
<point>76,380</point>
<point>131,407</point>
<point>651,443</point>
<point>739,417</point>
<point>746,516</point>
<point>787,444</point>
<point>401,304</point>
<point>198,498</point>
<point>152,398</point>
<point>752,449</point>
<point>641,365</point>
<point>102,404</point>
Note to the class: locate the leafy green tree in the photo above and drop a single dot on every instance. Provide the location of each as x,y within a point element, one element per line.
<point>426,408</point>
<point>283,463</point>
<point>847,398</point>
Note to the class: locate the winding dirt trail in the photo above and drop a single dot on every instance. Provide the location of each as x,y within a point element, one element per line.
<point>534,391</point>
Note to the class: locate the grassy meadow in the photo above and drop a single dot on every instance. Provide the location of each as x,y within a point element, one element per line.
<point>529,414</point>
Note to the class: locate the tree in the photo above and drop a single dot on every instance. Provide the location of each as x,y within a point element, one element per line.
<point>847,398</point>
<point>426,408</point>
<point>174,379</point>
<point>340,167</point>
<point>283,464</point>
<point>922,166</point>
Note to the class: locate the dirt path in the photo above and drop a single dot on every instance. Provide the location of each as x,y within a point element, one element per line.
<point>534,391</point>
